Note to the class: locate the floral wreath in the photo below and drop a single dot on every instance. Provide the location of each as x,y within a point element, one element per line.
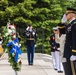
<point>14,52</point>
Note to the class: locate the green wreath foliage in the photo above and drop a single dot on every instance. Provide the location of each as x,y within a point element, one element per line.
<point>15,65</point>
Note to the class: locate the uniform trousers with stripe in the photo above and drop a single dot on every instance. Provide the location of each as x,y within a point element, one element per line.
<point>58,61</point>
<point>54,59</point>
<point>67,67</point>
<point>30,54</point>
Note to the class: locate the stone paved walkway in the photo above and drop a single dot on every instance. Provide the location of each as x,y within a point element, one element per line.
<point>42,66</point>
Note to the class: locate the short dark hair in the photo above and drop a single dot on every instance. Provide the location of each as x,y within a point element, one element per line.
<point>29,25</point>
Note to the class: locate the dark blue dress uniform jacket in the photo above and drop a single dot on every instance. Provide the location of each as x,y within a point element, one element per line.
<point>30,35</point>
<point>53,43</point>
<point>70,43</point>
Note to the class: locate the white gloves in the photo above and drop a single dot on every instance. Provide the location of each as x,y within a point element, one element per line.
<point>35,45</point>
<point>73,58</point>
<point>58,49</point>
<point>27,28</point>
<point>64,18</point>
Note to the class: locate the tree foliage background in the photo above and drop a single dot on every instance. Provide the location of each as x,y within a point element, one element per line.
<point>43,14</point>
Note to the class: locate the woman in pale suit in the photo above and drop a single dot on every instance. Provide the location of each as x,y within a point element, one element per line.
<point>61,39</point>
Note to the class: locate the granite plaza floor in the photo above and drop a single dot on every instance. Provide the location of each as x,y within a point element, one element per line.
<point>42,66</point>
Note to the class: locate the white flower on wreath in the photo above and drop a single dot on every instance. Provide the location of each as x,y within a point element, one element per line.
<point>6,34</point>
<point>19,60</point>
<point>13,54</point>
<point>9,31</point>
<point>13,27</point>
<point>19,45</point>
<point>14,36</point>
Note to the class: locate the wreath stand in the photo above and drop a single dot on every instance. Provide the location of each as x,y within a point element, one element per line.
<point>16,72</point>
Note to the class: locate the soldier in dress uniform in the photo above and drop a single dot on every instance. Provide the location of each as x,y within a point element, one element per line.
<point>30,43</point>
<point>55,51</point>
<point>70,43</point>
<point>52,45</point>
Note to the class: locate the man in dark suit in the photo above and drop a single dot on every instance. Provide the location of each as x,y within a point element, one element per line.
<point>70,43</point>
<point>30,43</point>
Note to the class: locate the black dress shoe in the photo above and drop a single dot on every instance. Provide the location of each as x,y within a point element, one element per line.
<point>31,63</point>
<point>60,71</point>
<point>28,64</point>
<point>55,69</point>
